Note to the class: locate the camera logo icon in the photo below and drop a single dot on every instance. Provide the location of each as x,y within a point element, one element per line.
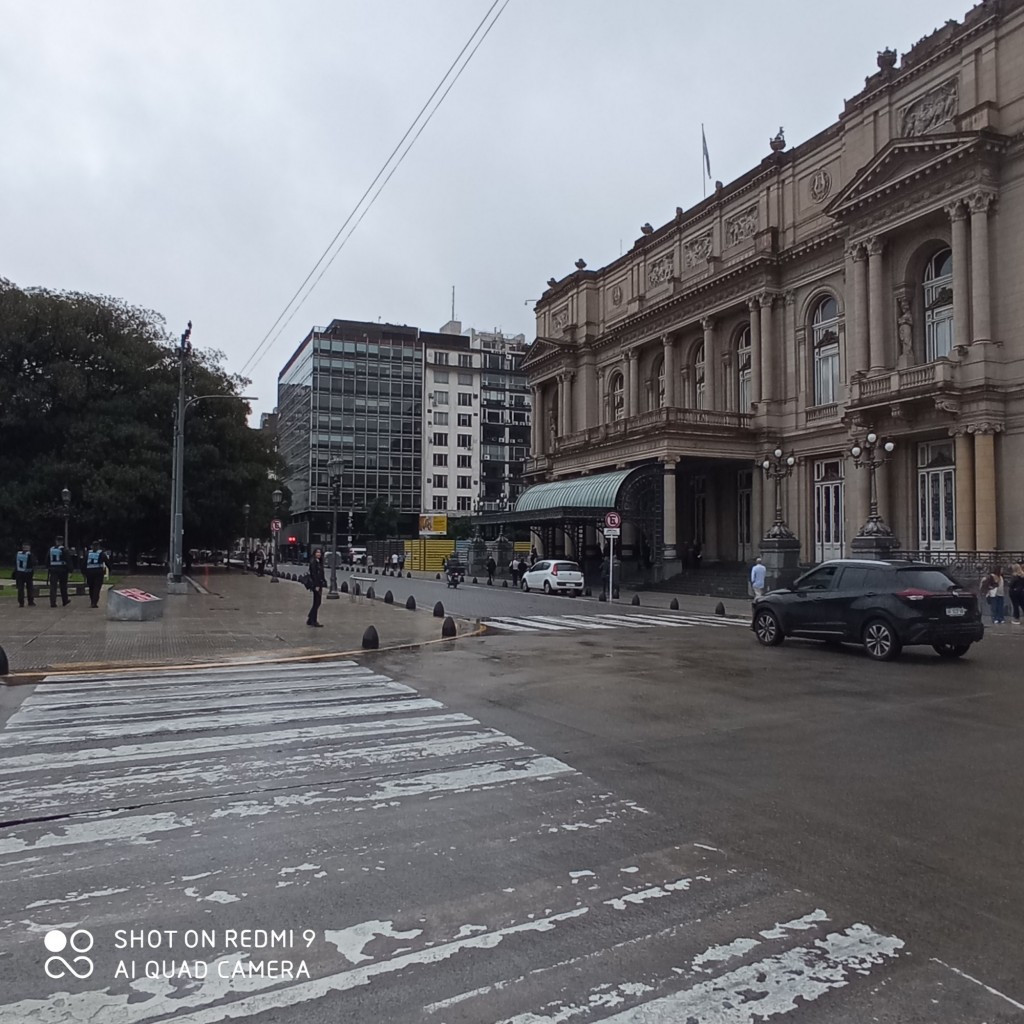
<point>80,942</point>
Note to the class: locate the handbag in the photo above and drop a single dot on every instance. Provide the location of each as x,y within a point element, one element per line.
<point>307,581</point>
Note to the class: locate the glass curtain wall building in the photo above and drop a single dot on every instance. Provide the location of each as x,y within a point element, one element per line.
<point>353,390</point>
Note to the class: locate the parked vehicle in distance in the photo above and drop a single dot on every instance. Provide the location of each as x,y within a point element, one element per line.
<point>455,572</point>
<point>554,576</point>
<point>357,556</point>
<point>882,605</point>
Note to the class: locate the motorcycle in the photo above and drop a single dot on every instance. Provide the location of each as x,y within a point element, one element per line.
<point>455,573</point>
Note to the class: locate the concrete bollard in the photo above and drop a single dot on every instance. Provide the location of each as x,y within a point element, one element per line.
<point>438,610</point>
<point>411,603</point>
<point>370,639</point>
<point>5,666</point>
<point>616,594</point>
<point>448,627</point>
<point>132,605</point>
<point>344,587</point>
<point>504,583</point>
<point>586,591</point>
<point>408,575</point>
<point>674,604</point>
<point>475,580</point>
<point>603,597</point>
<point>389,598</point>
<point>636,599</point>
<point>370,595</point>
<point>437,576</point>
<point>719,608</point>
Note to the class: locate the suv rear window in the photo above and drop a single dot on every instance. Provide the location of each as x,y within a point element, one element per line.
<point>934,580</point>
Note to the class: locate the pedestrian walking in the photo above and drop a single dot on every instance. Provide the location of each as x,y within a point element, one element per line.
<point>24,568</point>
<point>492,567</point>
<point>993,589</point>
<point>513,568</point>
<point>96,565</point>
<point>317,582</point>
<point>252,560</point>
<point>757,577</point>
<point>522,567</point>
<point>1016,591</point>
<point>394,561</point>
<point>533,556</point>
<point>58,564</point>
<point>261,561</point>
<point>401,561</point>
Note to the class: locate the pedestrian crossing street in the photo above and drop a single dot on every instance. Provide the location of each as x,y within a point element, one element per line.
<point>419,865</point>
<point>608,620</point>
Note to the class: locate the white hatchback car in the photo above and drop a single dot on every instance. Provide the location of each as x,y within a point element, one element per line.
<point>554,576</point>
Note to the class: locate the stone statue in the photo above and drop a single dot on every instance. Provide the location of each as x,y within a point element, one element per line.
<point>905,328</point>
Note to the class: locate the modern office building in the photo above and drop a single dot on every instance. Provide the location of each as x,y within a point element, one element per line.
<point>431,421</point>
<point>861,284</point>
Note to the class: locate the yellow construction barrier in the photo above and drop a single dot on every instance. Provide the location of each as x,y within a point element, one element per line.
<point>428,554</point>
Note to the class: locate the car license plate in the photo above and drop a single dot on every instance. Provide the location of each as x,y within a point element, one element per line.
<point>957,611</point>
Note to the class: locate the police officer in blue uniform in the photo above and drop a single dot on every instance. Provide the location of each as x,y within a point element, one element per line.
<point>96,563</point>
<point>58,573</point>
<point>24,565</point>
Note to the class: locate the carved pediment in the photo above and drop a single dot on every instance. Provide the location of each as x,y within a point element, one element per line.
<point>903,162</point>
<point>544,349</point>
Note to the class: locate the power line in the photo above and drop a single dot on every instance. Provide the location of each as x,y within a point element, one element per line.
<point>266,342</point>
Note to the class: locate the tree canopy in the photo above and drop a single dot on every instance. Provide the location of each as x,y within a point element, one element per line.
<point>88,386</point>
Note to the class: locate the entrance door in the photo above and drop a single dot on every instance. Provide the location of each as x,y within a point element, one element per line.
<point>828,510</point>
<point>744,491</point>
<point>936,496</point>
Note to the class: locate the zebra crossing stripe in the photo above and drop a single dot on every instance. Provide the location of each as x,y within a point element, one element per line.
<point>529,624</point>
<point>583,621</point>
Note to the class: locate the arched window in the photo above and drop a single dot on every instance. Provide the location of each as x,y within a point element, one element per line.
<point>743,392</point>
<point>658,379</point>
<point>698,377</point>
<point>617,390</point>
<point>938,305</point>
<point>825,334</point>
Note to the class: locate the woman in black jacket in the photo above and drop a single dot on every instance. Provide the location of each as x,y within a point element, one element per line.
<point>318,581</point>
<point>1016,591</point>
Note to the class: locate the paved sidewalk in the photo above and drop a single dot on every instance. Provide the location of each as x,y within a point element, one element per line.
<point>241,617</point>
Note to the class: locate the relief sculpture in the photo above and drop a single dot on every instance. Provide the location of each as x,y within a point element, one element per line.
<point>660,271</point>
<point>934,108</point>
<point>561,318</point>
<point>742,226</point>
<point>697,250</point>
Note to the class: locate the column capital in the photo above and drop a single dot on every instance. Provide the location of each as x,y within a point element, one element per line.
<point>670,462</point>
<point>766,299</point>
<point>956,210</point>
<point>985,427</point>
<point>875,245</point>
<point>668,341</point>
<point>707,323</point>
<point>856,252</point>
<point>980,201</point>
<point>790,297</point>
<point>753,303</point>
<point>632,354</point>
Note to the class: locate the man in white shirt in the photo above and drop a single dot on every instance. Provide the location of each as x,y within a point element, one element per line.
<point>757,574</point>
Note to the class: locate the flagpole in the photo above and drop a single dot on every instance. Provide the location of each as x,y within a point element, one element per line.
<point>703,176</point>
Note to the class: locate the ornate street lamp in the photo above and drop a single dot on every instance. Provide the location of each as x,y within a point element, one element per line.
<point>245,553</point>
<point>334,465</point>
<point>65,496</point>
<point>777,466</point>
<point>872,453</point>
<point>276,499</point>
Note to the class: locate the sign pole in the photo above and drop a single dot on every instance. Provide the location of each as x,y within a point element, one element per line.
<point>611,569</point>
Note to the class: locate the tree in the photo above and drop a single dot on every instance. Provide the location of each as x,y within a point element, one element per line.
<point>381,518</point>
<point>87,394</point>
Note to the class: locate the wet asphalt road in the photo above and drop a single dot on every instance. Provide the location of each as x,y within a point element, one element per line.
<point>630,823</point>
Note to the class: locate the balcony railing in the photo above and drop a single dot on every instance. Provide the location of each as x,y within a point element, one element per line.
<point>699,420</point>
<point>903,383</point>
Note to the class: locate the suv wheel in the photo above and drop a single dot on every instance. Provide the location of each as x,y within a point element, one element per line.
<point>767,629</point>
<point>951,650</point>
<point>880,642</point>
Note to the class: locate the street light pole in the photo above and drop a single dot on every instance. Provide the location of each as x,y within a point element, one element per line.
<point>65,496</point>
<point>334,477</point>
<point>871,454</point>
<point>777,466</point>
<point>245,552</point>
<point>276,498</point>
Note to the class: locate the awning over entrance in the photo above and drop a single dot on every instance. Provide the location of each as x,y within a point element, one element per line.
<point>597,492</point>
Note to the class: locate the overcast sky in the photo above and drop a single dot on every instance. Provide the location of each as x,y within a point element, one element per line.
<point>197,157</point>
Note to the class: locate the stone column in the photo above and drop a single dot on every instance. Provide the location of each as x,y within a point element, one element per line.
<point>603,399</point>
<point>964,444</point>
<point>961,295</point>
<point>537,422</point>
<point>981,305</point>
<point>755,351</point>
<point>985,485</point>
<point>669,525</point>
<point>587,401</point>
<point>569,416</point>
<point>669,351</point>
<point>876,288</point>
<point>768,353</point>
<point>708,325</point>
<point>634,384</point>
<point>858,357</point>
<point>627,386</point>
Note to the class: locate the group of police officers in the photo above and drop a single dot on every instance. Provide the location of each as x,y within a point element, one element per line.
<point>58,565</point>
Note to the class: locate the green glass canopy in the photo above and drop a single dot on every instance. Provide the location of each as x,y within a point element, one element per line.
<point>599,491</point>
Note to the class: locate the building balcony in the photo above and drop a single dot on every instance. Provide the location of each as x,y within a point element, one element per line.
<point>659,422</point>
<point>906,384</point>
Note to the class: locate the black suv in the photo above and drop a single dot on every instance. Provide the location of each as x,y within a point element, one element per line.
<point>884,605</point>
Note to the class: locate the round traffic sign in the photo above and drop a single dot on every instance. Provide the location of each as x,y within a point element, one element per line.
<point>612,520</point>
<point>275,525</point>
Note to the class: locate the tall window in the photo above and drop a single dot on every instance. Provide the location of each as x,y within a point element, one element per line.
<point>658,398</point>
<point>825,334</point>
<point>938,305</point>
<point>618,393</point>
<point>743,392</point>
<point>698,377</point>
